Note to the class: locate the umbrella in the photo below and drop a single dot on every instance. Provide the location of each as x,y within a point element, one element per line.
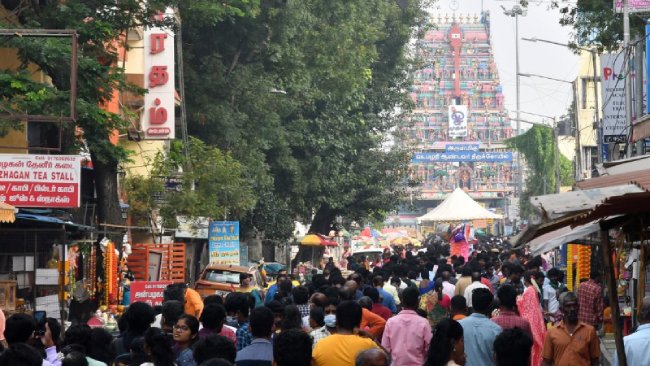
<point>406,240</point>
<point>7,213</point>
<point>317,240</point>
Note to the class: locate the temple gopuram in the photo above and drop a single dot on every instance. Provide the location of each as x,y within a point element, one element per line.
<point>459,123</point>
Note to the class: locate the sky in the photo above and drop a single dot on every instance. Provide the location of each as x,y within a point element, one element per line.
<point>540,96</point>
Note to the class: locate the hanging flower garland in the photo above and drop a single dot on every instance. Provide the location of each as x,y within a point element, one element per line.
<point>110,274</point>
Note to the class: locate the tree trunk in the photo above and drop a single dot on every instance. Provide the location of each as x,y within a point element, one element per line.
<point>321,224</point>
<point>322,220</point>
<point>108,204</point>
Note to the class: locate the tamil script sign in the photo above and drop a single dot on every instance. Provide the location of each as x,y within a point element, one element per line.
<point>223,242</point>
<point>150,292</point>
<point>615,125</point>
<point>467,156</point>
<point>40,180</point>
<point>457,121</point>
<point>634,6</point>
<point>159,102</point>
<point>452,148</point>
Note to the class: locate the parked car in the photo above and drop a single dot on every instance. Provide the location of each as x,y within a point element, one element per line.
<point>222,279</point>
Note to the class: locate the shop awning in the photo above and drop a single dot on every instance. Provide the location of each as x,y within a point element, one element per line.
<point>7,213</point>
<point>554,206</point>
<point>566,234</point>
<point>51,220</point>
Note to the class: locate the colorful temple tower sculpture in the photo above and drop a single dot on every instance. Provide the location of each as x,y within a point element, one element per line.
<point>459,123</point>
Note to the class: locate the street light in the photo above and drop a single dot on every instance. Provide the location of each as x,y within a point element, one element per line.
<point>555,142</point>
<point>515,12</point>
<point>594,53</point>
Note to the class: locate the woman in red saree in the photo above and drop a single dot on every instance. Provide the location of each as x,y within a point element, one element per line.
<point>530,308</point>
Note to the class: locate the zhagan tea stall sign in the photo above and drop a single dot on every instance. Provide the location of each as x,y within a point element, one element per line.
<point>40,180</point>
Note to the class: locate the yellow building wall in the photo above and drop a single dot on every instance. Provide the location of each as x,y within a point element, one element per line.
<point>585,98</point>
<point>17,138</point>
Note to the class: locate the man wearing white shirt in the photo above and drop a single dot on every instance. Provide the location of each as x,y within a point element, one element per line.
<point>476,283</point>
<point>637,351</point>
<point>447,287</point>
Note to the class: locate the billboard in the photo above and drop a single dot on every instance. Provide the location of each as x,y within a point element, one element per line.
<point>51,181</point>
<point>159,101</point>
<point>615,125</point>
<point>464,156</point>
<point>223,242</point>
<point>634,6</point>
<point>457,121</point>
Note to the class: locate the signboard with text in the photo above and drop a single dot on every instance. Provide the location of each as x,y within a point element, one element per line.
<point>223,242</point>
<point>464,156</point>
<point>159,101</point>
<point>150,292</point>
<point>615,125</point>
<point>457,121</point>
<point>40,180</point>
<point>452,148</point>
<point>634,6</point>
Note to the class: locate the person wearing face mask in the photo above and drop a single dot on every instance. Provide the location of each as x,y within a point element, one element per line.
<point>571,342</point>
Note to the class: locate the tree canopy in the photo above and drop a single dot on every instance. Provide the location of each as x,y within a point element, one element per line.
<point>538,147</point>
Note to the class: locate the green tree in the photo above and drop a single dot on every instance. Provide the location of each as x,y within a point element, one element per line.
<point>216,187</point>
<point>594,22</point>
<point>304,94</point>
<point>538,147</point>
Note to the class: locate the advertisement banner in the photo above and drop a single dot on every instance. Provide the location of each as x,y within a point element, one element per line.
<point>634,6</point>
<point>51,181</point>
<point>468,156</point>
<point>159,101</point>
<point>223,242</point>
<point>451,148</point>
<point>457,121</point>
<point>150,292</point>
<point>615,125</point>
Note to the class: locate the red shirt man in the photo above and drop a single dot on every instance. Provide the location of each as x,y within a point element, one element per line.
<point>590,300</point>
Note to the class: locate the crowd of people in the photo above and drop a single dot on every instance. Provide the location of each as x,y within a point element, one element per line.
<point>414,308</point>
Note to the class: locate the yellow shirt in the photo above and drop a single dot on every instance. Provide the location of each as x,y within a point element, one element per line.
<point>340,349</point>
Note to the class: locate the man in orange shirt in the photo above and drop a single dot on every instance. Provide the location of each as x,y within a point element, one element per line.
<point>571,342</point>
<point>193,303</point>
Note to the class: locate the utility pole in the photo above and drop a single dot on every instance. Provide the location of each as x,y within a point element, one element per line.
<point>556,141</point>
<point>638,89</point>
<point>578,174</point>
<point>597,123</point>
<point>628,79</point>
<point>515,12</point>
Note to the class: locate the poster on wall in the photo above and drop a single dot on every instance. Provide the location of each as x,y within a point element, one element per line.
<point>615,125</point>
<point>150,292</point>
<point>457,121</point>
<point>48,181</point>
<point>223,242</point>
<point>159,101</point>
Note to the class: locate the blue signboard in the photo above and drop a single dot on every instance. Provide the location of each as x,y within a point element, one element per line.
<point>223,242</point>
<point>452,148</point>
<point>463,156</point>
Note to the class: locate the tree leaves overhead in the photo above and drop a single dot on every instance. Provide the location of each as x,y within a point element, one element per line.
<point>304,94</point>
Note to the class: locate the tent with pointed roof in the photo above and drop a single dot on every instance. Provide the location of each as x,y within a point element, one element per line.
<point>458,206</point>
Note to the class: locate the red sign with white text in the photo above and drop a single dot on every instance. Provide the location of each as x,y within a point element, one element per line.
<point>150,292</point>
<point>40,180</point>
<point>159,102</point>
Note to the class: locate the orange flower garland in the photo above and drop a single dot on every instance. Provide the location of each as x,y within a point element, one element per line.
<point>110,274</point>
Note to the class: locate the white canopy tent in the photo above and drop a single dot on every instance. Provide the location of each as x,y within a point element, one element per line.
<point>458,206</point>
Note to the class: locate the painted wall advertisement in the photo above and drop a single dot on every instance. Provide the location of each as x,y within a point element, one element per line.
<point>615,126</point>
<point>158,116</point>
<point>223,242</point>
<point>457,121</point>
<point>40,180</point>
<point>150,292</point>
